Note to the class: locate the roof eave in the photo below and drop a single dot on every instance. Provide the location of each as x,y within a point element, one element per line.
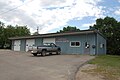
<point>54,34</point>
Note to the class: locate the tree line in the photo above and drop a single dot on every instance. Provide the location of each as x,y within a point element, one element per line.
<point>68,29</point>
<point>11,31</point>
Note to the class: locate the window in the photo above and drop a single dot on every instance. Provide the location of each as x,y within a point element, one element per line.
<point>75,44</point>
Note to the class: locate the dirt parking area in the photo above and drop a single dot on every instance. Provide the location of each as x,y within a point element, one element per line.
<point>24,66</point>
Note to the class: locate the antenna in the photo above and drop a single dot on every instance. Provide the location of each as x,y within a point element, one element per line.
<point>37,29</point>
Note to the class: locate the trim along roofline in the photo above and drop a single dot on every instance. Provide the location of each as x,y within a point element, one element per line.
<point>56,34</point>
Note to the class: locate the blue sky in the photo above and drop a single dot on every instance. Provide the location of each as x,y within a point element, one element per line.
<point>51,16</point>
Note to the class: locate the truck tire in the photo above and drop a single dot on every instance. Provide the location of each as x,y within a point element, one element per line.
<point>58,52</point>
<point>34,54</point>
<point>50,53</point>
<point>43,53</point>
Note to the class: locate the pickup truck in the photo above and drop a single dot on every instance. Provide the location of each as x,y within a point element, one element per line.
<point>45,48</point>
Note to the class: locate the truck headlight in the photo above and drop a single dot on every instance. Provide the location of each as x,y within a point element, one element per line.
<point>31,51</point>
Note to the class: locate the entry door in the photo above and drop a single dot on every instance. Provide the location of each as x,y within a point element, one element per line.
<point>87,51</point>
<point>17,45</point>
<point>87,48</point>
<point>29,42</point>
<point>49,40</point>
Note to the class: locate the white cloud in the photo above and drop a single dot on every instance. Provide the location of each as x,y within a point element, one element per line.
<point>117,12</point>
<point>89,24</point>
<point>86,26</point>
<point>36,12</point>
<point>118,0</point>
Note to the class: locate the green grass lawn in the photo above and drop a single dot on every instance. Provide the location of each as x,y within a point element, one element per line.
<point>107,66</point>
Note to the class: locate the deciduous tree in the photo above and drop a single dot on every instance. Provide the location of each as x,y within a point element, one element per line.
<point>110,28</point>
<point>69,29</point>
<point>11,31</point>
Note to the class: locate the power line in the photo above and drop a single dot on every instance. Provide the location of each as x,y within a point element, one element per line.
<point>15,8</point>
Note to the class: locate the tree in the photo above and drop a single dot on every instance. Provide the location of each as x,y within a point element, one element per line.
<point>21,31</point>
<point>1,34</point>
<point>68,29</point>
<point>11,31</point>
<point>110,28</point>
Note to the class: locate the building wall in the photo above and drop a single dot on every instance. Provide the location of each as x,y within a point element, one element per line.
<point>12,46</point>
<point>101,44</point>
<point>64,43</point>
<point>38,41</point>
<point>23,45</point>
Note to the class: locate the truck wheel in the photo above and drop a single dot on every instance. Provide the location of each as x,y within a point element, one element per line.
<point>34,54</point>
<point>43,53</point>
<point>58,52</point>
<point>50,53</point>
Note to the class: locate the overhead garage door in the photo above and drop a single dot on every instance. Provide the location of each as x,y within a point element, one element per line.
<point>17,45</point>
<point>49,40</point>
<point>29,42</point>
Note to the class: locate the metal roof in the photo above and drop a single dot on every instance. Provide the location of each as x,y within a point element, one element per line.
<point>56,34</point>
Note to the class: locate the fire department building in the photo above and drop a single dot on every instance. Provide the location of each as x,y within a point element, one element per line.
<point>83,42</point>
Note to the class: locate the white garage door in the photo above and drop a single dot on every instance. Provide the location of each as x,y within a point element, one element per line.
<point>49,40</point>
<point>17,45</point>
<point>29,42</point>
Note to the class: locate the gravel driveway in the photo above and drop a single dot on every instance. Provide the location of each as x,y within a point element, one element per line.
<point>24,66</point>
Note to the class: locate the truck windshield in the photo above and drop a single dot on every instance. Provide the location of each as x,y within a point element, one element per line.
<point>49,44</point>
